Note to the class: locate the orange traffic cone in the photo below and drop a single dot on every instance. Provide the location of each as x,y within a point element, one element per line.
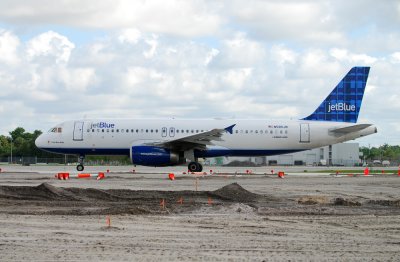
<point>180,200</point>
<point>108,221</point>
<point>100,176</point>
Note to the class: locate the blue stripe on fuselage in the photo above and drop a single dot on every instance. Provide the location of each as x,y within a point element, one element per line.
<point>197,153</point>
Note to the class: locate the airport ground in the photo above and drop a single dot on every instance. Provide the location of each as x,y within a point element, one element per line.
<point>231,216</point>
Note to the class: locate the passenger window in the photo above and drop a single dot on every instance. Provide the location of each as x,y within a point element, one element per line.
<point>108,130</point>
<point>247,131</point>
<point>137,130</point>
<point>88,130</point>
<point>271,132</point>
<point>132,130</point>
<point>156,130</point>
<point>117,130</point>
<point>237,131</point>
<point>256,131</point>
<point>285,131</point>
<point>112,130</point>
<point>121,130</point>
<point>177,130</point>
<point>261,131</point>
<point>151,130</point>
<point>102,130</point>
<point>127,130</point>
<point>147,130</point>
<point>197,131</point>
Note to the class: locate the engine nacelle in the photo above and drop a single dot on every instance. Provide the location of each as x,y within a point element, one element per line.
<point>154,156</point>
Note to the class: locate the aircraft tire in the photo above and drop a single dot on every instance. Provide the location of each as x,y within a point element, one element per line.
<point>195,167</point>
<point>80,167</point>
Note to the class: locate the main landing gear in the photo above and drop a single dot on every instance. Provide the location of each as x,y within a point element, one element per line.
<point>80,166</point>
<point>195,167</point>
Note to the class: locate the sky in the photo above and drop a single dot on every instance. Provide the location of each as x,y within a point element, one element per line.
<point>64,60</point>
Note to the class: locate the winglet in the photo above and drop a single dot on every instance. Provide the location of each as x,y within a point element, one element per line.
<point>229,129</point>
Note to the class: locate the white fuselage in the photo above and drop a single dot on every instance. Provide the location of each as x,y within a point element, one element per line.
<point>249,137</point>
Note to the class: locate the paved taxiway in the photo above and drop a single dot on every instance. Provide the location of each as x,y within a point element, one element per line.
<point>301,217</point>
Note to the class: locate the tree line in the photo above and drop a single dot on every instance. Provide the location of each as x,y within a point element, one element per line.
<point>384,152</point>
<point>21,143</point>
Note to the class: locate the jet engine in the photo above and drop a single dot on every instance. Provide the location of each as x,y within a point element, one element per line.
<point>155,156</point>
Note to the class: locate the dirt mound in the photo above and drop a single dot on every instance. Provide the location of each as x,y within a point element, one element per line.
<point>313,200</point>
<point>42,192</point>
<point>388,203</point>
<point>339,201</point>
<point>52,200</point>
<point>234,192</point>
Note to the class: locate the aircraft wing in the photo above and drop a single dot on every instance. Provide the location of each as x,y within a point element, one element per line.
<point>349,129</point>
<point>197,141</point>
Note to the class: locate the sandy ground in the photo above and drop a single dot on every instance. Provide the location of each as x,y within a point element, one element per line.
<point>230,217</point>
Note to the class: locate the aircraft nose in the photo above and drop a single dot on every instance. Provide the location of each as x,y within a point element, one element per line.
<point>39,141</point>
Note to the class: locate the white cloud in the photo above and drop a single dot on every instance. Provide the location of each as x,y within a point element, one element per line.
<point>240,51</point>
<point>345,55</point>
<point>153,47</point>
<point>50,45</point>
<point>77,79</point>
<point>9,44</point>
<point>395,57</point>
<point>130,35</point>
<point>183,18</point>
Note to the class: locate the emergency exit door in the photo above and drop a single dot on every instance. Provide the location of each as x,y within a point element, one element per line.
<point>304,133</point>
<point>78,131</point>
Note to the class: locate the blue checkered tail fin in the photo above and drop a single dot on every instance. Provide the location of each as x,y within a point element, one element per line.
<point>344,103</point>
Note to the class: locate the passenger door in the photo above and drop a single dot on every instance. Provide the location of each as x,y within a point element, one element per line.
<point>304,133</point>
<point>78,131</point>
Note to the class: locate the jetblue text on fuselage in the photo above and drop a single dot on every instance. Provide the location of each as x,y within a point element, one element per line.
<point>341,107</point>
<point>103,125</point>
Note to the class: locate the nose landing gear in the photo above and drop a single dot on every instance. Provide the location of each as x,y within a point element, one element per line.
<point>80,166</point>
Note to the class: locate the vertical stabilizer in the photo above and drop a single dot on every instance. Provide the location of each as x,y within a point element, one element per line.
<point>344,103</point>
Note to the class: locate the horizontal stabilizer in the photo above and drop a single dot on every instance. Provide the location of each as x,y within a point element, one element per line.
<point>350,129</point>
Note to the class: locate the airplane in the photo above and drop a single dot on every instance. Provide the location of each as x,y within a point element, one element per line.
<point>168,142</point>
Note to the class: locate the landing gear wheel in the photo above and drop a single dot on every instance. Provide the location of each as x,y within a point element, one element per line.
<point>192,166</point>
<point>80,167</point>
<point>195,167</point>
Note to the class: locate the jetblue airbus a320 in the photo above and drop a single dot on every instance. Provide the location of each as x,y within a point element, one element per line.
<point>170,142</point>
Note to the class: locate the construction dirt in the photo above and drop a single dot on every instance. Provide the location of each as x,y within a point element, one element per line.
<point>245,218</point>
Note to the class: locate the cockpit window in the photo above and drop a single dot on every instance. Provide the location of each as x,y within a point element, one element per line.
<point>55,130</point>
